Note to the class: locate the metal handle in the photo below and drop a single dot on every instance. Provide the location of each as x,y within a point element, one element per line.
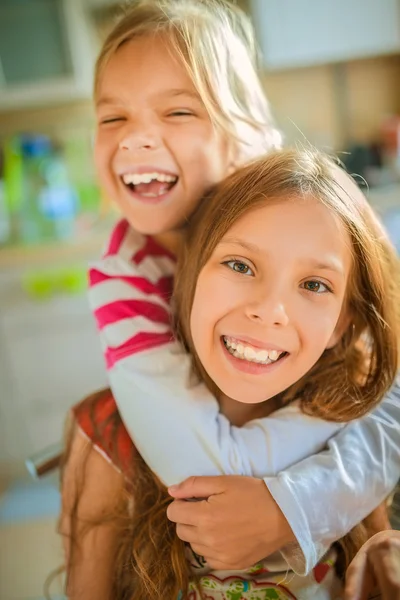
<point>45,461</point>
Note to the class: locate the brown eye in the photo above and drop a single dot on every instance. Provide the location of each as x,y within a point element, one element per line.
<point>316,286</point>
<point>239,267</point>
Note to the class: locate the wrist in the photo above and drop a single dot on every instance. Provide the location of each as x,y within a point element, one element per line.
<point>278,527</point>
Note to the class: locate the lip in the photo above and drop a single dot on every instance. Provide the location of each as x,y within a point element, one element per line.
<point>253,342</point>
<point>251,368</point>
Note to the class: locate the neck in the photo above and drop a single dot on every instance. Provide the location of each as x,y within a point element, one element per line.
<point>239,413</point>
<point>171,240</point>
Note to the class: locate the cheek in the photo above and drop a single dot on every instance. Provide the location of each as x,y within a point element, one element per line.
<point>216,301</point>
<point>205,313</point>
<point>100,159</point>
<point>318,327</point>
<point>198,328</point>
<point>207,155</point>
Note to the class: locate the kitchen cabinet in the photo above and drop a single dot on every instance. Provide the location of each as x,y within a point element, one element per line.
<point>300,33</point>
<point>50,358</point>
<point>47,52</point>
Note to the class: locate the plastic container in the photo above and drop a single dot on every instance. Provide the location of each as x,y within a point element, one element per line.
<point>49,203</point>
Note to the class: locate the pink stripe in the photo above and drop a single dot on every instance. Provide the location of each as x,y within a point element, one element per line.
<point>117,237</point>
<point>125,309</point>
<point>140,342</point>
<point>151,248</point>
<point>162,288</point>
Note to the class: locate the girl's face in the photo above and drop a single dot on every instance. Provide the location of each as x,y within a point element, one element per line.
<point>270,299</point>
<point>156,149</point>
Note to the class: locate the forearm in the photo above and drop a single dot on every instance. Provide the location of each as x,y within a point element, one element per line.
<point>179,430</point>
<point>350,479</point>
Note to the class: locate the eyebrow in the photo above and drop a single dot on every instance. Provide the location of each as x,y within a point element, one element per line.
<point>328,265</point>
<point>172,93</point>
<point>181,92</point>
<point>238,242</point>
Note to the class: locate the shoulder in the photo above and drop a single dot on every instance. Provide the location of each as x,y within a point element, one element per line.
<point>98,419</point>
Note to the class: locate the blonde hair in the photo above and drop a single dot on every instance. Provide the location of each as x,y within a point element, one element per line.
<point>214,40</point>
<point>352,377</point>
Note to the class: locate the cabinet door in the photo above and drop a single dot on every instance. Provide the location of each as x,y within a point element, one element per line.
<point>296,33</point>
<point>46,52</point>
<point>32,41</point>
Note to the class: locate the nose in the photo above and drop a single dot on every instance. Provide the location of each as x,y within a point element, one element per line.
<point>269,309</point>
<point>142,136</point>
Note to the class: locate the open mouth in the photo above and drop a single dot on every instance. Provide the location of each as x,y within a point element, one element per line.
<point>150,185</point>
<point>249,353</point>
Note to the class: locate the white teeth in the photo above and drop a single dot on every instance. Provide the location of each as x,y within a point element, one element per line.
<point>263,355</point>
<point>137,178</point>
<point>250,353</point>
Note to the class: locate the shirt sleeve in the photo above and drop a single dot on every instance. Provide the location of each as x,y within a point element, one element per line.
<point>129,294</point>
<point>357,471</point>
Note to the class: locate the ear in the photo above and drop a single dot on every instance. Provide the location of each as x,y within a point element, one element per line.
<point>344,322</point>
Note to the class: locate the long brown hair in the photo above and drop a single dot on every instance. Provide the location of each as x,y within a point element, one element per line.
<point>346,382</point>
<point>352,377</point>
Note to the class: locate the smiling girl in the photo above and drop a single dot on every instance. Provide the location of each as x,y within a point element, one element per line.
<point>288,259</point>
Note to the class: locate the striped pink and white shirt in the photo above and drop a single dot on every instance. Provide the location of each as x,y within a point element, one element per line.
<point>130,291</point>
<point>176,425</point>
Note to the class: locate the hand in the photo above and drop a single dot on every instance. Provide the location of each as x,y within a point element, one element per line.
<point>376,565</point>
<point>236,524</point>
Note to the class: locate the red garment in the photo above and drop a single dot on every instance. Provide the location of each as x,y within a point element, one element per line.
<point>98,418</point>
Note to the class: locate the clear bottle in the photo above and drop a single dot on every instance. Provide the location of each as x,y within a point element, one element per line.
<point>50,203</point>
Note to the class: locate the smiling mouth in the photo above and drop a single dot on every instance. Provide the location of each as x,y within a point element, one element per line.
<point>249,353</point>
<point>149,185</point>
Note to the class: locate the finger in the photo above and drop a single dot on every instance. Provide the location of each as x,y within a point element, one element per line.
<point>385,562</point>
<point>187,533</point>
<point>198,487</point>
<point>359,579</point>
<point>216,562</point>
<point>204,551</point>
<point>211,558</point>
<point>186,513</point>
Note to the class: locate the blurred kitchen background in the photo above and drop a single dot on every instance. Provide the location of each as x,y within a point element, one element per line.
<point>332,73</point>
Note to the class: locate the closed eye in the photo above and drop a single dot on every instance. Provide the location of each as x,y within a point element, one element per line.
<point>181,113</point>
<point>316,287</point>
<point>112,120</point>
<point>239,266</point>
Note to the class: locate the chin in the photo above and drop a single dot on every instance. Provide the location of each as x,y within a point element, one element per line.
<point>245,396</point>
<point>147,228</point>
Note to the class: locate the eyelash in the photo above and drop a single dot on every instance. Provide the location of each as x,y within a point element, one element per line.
<point>112,120</point>
<point>181,113</point>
